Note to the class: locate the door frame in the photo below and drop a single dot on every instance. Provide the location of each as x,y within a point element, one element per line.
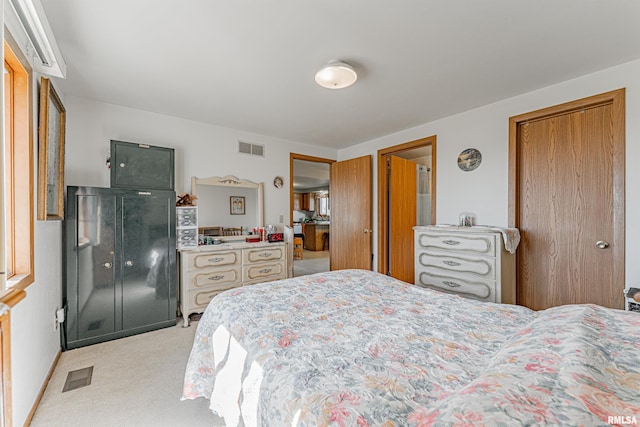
<point>296,156</point>
<point>617,99</point>
<point>383,191</point>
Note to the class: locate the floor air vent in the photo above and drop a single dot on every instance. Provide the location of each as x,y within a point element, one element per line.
<point>78,378</point>
<point>248,148</point>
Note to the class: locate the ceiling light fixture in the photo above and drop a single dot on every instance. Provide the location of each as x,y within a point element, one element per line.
<point>336,75</point>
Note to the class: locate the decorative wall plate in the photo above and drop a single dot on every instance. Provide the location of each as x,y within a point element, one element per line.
<point>469,159</point>
<point>277,182</point>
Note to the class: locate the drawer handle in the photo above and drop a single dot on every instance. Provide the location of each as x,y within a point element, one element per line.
<point>451,242</point>
<point>265,254</point>
<point>265,270</point>
<point>451,284</point>
<point>215,278</point>
<point>452,263</point>
<point>216,259</point>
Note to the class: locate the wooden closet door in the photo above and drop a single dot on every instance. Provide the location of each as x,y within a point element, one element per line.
<point>402,217</point>
<point>566,210</point>
<point>350,235</point>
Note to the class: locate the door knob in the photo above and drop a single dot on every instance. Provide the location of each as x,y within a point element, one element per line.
<point>128,263</point>
<point>601,244</point>
<point>107,265</point>
<point>367,230</point>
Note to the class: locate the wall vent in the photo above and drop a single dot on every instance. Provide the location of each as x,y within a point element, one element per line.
<point>248,148</point>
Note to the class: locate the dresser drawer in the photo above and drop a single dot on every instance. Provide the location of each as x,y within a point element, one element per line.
<point>481,267</point>
<point>212,278</point>
<point>214,259</point>
<point>187,217</point>
<point>263,272</point>
<point>186,238</point>
<point>477,289</point>
<point>198,299</point>
<point>183,234</point>
<point>263,254</point>
<point>481,244</point>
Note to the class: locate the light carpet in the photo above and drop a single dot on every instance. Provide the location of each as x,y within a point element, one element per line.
<point>312,262</point>
<point>137,381</point>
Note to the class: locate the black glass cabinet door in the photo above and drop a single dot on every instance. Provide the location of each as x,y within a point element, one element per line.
<point>90,289</point>
<point>147,259</point>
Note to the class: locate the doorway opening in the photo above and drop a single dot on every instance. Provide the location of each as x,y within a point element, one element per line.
<point>396,217</point>
<point>310,213</point>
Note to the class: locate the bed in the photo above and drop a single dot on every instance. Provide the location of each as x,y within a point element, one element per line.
<point>357,348</point>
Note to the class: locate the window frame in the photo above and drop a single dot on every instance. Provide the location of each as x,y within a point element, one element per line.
<point>21,196</point>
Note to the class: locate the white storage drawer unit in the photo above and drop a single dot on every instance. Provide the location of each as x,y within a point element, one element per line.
<point>187,227</point>
<point>209,270</point>
<point>465,261</point>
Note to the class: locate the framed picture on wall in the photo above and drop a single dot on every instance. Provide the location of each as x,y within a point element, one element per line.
<point>51,133</point>
<point>237,205</point>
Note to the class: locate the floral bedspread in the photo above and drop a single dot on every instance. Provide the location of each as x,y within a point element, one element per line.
<point>357,348</point>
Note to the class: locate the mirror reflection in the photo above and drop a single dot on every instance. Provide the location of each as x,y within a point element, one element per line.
<point>228,206</point>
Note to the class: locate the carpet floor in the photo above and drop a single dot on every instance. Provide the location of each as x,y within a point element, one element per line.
<point>137,381</point>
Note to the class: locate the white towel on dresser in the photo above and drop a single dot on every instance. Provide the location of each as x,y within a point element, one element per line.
<point>511,236</point>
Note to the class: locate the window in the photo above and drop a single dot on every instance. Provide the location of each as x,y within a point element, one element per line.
<point>17,173</point>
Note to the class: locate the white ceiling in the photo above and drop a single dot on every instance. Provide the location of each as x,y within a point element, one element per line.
<point>310,175</point>
<point>250,65</point>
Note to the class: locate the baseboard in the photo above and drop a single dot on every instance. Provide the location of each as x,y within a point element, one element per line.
<point>27,423</point>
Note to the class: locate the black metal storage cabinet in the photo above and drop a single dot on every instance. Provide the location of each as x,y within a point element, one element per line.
<point>120,263</point>
<point>142,166</point>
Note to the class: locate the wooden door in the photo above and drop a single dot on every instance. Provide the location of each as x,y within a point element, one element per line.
<point>350,233</point>
<point>570,204</point>
<point>402,217</point>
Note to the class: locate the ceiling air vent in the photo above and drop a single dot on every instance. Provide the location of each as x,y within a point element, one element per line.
<point>248,148</point>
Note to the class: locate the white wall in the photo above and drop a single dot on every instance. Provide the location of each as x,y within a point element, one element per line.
<point>484,191</point>
<point>35,340</point>
<point>201,150</point>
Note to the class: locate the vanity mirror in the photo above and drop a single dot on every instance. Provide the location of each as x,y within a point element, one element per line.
<point>218,201</point>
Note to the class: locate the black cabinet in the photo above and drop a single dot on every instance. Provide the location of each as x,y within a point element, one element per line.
<point>120,263</point>
<point>142,166</point>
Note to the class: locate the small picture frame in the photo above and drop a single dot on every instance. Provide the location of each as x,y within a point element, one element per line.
<point>236,205</point>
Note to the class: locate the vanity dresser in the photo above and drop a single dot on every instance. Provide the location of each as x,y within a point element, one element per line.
<point>208,269</point>
<point>211,269</point>
<point>469,261</point>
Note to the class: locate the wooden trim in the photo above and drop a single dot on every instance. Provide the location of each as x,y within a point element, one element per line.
<point>296,156</point>
<point>383,212</point>
<point>43,389</point>
<point>12,296</point>
<point>23,190</point>
<point>617,99</point>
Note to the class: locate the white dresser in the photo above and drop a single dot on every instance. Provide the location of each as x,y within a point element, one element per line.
<point>468,261</point>
<point>208,270</point>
